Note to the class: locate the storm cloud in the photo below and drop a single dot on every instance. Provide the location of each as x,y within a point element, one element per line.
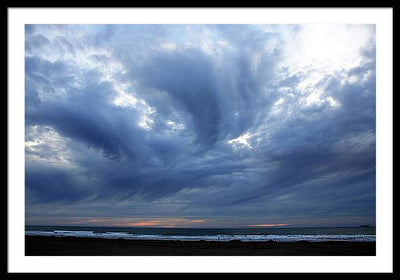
<point>200,125</point>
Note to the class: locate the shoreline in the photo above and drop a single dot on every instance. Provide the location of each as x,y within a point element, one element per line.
<point>82,246</point>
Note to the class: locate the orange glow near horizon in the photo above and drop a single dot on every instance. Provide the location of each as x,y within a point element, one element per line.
<point>161,222</point>
<point>167,223</point>
<point>198,221</point>
<point>144,224</point>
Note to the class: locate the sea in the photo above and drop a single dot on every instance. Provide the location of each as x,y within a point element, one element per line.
<point>311,234</point>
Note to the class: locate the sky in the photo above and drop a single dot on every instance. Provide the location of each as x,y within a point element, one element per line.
<point>200,125</point>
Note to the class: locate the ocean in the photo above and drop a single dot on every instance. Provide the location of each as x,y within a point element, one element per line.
<point>311,234</point>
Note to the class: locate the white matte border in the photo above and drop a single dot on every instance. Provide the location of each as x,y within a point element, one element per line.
<point>18,17</point>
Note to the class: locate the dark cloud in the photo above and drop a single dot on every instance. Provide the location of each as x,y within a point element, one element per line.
<point>47,184</point>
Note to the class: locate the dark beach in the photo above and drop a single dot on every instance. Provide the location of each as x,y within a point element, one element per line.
<point>77,246</point>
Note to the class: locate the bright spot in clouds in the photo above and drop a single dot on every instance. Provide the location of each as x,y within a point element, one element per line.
<point>242,140</point>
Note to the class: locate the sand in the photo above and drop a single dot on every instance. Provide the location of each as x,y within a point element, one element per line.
<point>77,246</point>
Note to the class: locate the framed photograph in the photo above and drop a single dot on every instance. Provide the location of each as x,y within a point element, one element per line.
<point>200,139</point>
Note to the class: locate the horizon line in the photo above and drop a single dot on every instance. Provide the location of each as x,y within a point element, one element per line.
<point>253,227</point>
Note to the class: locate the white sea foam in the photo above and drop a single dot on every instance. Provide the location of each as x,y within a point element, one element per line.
<point>220,237</point>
